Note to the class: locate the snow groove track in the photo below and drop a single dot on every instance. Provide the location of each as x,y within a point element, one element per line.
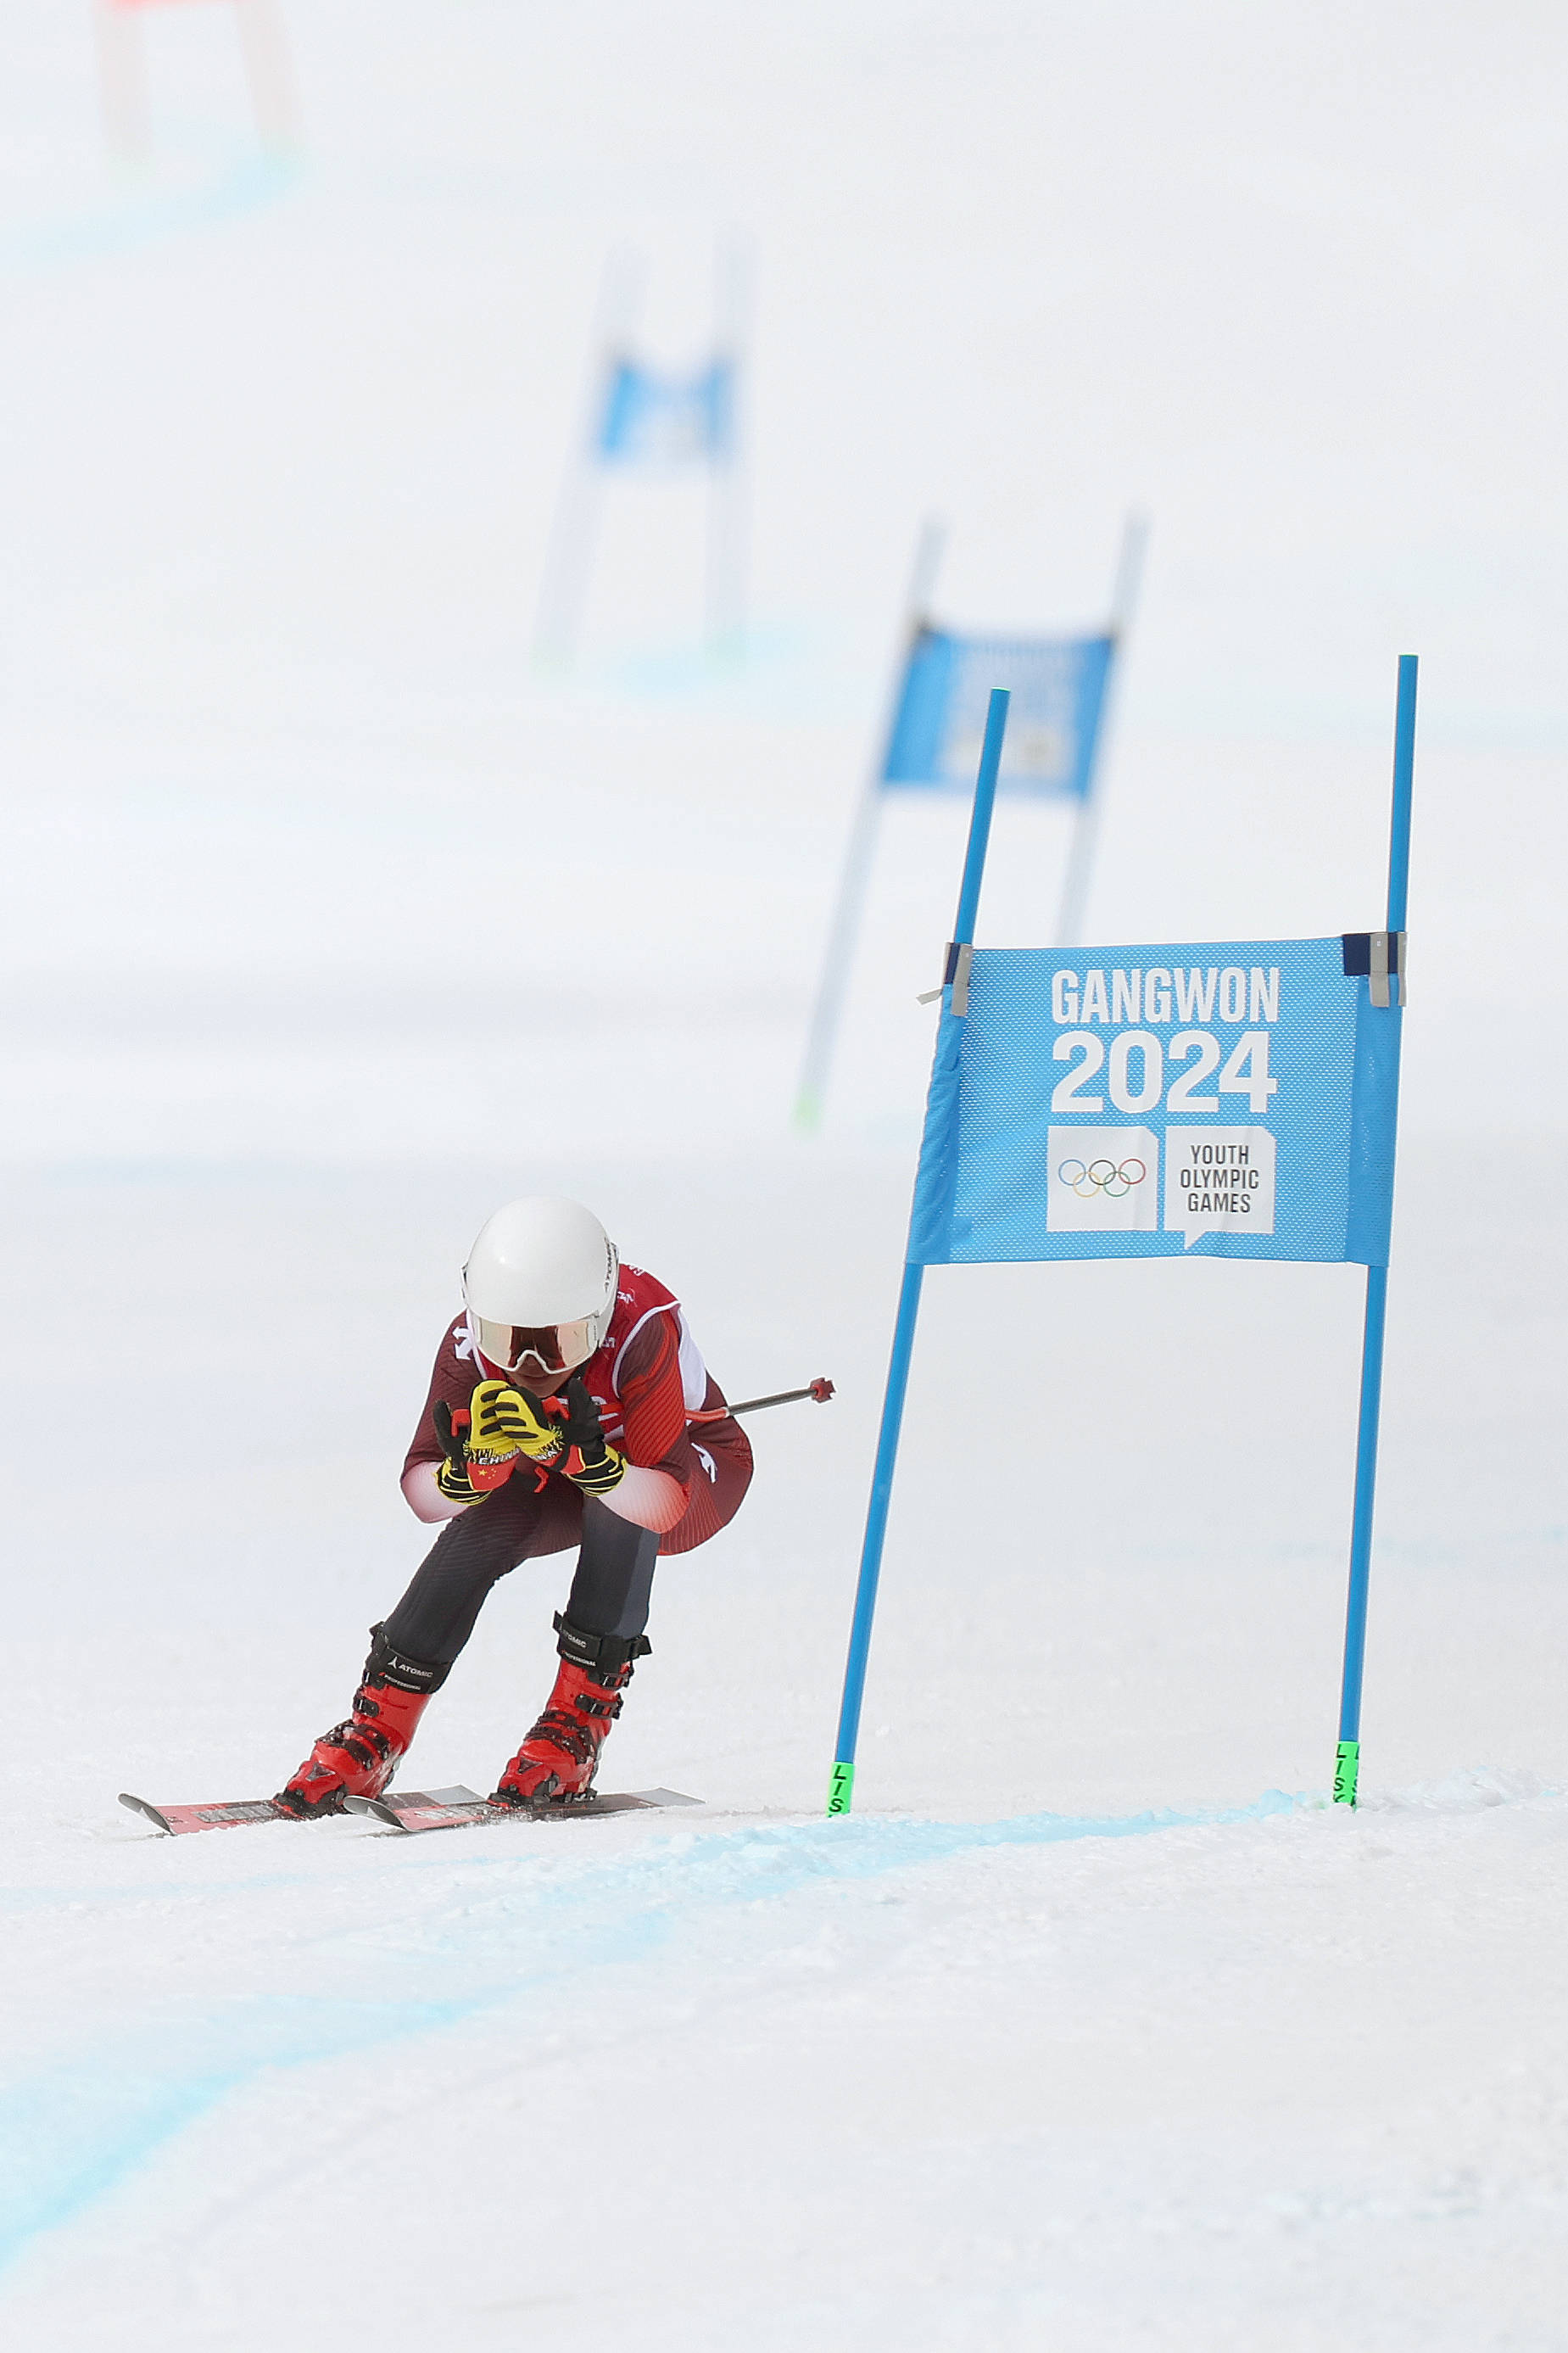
<point>72,2133</point>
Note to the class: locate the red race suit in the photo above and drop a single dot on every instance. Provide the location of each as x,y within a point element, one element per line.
<point>646,1377</point>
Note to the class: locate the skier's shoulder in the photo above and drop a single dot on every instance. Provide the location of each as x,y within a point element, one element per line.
<point>646,1320</point>
<point>639,1295</point>
<point>458,1350</point>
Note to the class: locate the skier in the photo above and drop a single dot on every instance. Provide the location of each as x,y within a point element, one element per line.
<point>557,1416</point>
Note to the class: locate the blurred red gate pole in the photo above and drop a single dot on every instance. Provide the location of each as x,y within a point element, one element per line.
<point>122,64</point>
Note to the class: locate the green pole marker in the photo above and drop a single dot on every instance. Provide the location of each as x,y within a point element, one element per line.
<point>841,1788</point>
<point>1347,1770</point>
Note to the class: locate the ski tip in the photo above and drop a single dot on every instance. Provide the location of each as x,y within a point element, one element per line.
<point>377,1809</point>
<point>140,1806</point>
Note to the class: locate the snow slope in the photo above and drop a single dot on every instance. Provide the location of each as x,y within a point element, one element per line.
<point>1094,2027</point>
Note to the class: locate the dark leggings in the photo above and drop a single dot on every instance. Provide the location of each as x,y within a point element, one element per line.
<point>610,1591</point>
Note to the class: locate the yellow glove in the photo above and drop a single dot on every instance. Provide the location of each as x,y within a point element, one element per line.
<point>495,1440</point>
<point>504,1422</point>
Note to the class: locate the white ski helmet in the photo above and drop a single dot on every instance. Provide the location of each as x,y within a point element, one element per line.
<point>540,1286</point>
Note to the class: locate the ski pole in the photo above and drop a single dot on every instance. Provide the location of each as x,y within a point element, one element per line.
<point>821,1390</point>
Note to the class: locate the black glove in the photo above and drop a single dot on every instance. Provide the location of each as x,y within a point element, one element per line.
<point>590,1461</point>
<point>452,1477</point>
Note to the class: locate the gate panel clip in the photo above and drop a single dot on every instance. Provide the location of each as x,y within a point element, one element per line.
<point>1381,956</point>
<point>960,955</point>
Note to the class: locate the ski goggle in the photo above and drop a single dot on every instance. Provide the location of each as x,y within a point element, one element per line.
<point>540,1350</point>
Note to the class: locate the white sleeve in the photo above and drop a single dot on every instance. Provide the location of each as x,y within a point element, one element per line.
<point>423,1496</point>
<point>693,1371</point>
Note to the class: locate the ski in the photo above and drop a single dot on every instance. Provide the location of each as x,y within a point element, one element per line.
<point>400,1810</point>
<point>178,1822</point>
<point>449,1810</point>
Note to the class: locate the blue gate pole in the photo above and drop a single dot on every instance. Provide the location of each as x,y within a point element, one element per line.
<point>1347,1756</point>
<point>841,1788</point>
<point>845,928</point>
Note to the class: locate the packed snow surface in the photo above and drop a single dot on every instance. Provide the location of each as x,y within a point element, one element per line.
<point>329,922</point>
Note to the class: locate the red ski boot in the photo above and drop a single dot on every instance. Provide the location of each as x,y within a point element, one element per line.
<point>359,1757</point>
<point>558,1760</point>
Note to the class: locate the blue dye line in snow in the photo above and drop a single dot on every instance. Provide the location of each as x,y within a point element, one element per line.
<point>776,1857</point>
<point>863,1844</point>
<point>69,2136</point>
<point>72,2135</point>
<point>142,219</point>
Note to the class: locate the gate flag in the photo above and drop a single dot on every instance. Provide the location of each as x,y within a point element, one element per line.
<point>1058,687</point>
<point>638,421</point>
<point>1221,1101</point>
<point>1059,690</point>
<point>1231,1100</point>
<point>665,420</point>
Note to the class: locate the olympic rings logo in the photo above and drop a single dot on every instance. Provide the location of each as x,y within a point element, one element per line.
<point>1109,1179</point>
